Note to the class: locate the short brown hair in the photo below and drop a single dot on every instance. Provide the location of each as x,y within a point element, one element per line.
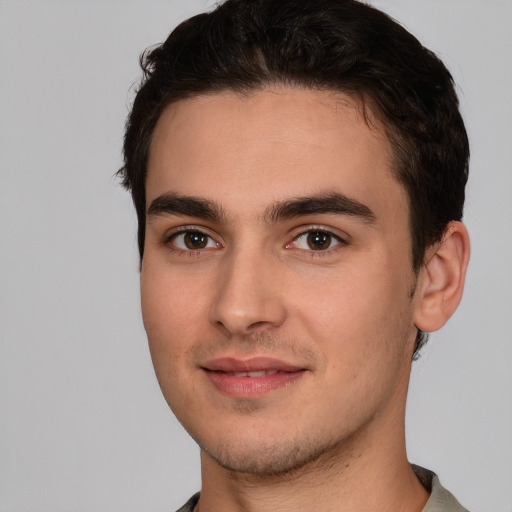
<point>339,45</point>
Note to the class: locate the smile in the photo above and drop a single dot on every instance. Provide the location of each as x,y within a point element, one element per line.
<point>260,373</point>
<point>250,378</point>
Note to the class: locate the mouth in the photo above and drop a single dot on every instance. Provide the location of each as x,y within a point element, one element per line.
<point>252,377</point>
<point>259,373</point>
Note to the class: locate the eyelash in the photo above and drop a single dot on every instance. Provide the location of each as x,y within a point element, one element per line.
<point>311,253</point>
<point>192,253</point>
<point>169,241</point>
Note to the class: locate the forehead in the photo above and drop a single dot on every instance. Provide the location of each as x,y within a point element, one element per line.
<point>269,145</point>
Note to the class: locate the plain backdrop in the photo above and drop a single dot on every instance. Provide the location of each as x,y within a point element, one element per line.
<point>83,426</point>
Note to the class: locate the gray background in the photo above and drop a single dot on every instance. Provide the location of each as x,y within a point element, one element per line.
<point>83,426</point>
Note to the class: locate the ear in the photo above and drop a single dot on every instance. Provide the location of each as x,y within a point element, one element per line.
<point>441,280</point>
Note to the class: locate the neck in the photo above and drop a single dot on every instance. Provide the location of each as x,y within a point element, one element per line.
<point>343,480</point>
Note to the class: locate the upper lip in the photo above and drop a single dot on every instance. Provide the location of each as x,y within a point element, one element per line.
<point>254,364</point>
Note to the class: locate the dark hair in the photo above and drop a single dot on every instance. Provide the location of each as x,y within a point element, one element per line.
<point>338,45</point>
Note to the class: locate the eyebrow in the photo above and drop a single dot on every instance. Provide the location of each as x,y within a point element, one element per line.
<point>331,203</point>
<point>189,206</point>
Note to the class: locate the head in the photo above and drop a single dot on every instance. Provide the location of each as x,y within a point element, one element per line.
<point>298,170</point>
<point>332,45</point>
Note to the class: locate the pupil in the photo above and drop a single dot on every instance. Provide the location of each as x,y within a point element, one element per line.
<point>195,240</point>
<point>319,240</point>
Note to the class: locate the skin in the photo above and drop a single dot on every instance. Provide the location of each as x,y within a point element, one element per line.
<point>345,314</point>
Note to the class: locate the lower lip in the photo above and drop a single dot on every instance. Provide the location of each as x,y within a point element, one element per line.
<point>251,386</point>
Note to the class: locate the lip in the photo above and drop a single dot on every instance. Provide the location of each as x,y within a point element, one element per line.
<point>251,377</point>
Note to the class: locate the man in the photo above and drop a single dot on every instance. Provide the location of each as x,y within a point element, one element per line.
<point>298,171</point>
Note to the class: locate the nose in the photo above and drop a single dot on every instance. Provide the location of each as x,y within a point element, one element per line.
<point>249,295</point>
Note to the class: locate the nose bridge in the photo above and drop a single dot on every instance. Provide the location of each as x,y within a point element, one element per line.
<point>248,295</point>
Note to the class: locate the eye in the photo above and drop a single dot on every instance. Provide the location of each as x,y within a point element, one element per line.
<point>317,240</point>
<point>193,241</point>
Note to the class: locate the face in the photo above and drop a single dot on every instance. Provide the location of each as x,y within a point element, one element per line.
<point>276,280</point>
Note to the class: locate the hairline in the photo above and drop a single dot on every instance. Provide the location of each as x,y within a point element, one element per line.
<point>372,116</point>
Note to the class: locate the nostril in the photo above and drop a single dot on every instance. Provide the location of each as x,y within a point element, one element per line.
<point>257,325</point>
<point>247,300</point>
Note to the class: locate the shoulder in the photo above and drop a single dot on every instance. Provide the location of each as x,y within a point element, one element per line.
<point>441,500</point>
<point>190,505</point>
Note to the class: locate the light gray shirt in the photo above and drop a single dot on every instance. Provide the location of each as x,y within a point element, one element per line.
<point>440,499</point>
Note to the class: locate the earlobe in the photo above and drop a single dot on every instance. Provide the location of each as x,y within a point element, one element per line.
<point>441,280</point>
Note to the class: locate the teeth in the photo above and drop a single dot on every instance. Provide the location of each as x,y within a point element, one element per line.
<point>257,374</point>
<point>260,373</point>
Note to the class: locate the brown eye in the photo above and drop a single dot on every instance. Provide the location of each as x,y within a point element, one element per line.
<point>316,240</point>
<point>192,240</point>
<point>319,240</point>
<point>195,240</point>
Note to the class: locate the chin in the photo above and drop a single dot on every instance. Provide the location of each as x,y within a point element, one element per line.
<point>267,458</point>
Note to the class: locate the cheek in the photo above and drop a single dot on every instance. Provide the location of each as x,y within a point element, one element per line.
<point>359,314</point>
<point>171,308</point>
<point>171,312</point>
<point>361,326</point>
